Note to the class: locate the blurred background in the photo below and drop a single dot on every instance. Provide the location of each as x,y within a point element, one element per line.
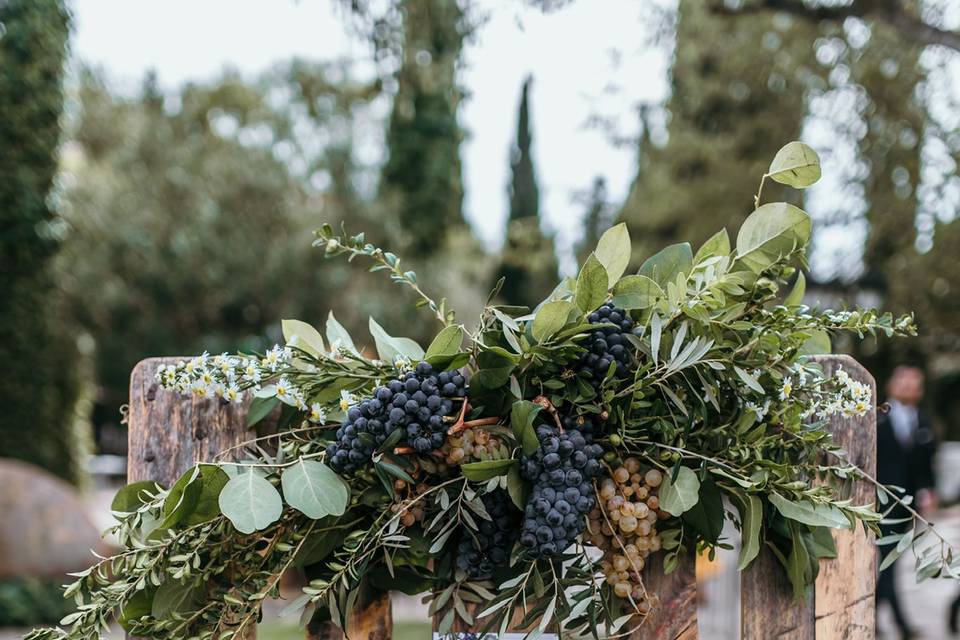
<point>162,167</point>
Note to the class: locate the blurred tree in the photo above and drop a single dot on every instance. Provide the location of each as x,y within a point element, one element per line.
<point>421,178</point>
<point>737,96</point>
<point>190,215</point>
<point>596,220</point>
<point>528,261</point>
<point>39,388</point>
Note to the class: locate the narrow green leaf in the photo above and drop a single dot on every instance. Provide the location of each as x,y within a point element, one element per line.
<point>481,471</point>
<point>816,515</point>
<point>795,298</point>
<point>260,408</point>
<point>751,520</point>
<point>522,415</point>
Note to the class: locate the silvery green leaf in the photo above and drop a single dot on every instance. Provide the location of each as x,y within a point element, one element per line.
<point>613,251</point>
<point>679,496</point>
<point>592,284</point>
<point>302,336</point>
<point>663,267</point>
<point>337,335</point>
<point>795,165</point>
<point>388,347</point>
<point>250,502</point>
<point>313,489</point>
<point>771,232</point>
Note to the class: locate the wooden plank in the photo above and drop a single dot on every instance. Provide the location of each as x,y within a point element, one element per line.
<point>841,605</point>
<point>371,619</point>
<point>169,432</point>
<point>675,617</point>
<point>845,590</point>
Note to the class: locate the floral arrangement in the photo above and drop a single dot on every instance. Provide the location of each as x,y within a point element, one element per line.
<point>536,463</point>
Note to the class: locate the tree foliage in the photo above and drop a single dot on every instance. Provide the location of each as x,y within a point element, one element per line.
<point>528,262</point>
<point>40,387</point>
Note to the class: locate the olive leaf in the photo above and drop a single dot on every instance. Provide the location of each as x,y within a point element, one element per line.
<point>636,292</point>
<point>447,342</point>
<point>815,515</point>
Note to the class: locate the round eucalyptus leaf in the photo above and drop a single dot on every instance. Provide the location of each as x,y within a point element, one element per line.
<point>795,165</point>
<point>313,489</point>
<point>250,502</point>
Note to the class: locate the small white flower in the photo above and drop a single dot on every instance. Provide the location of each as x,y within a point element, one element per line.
<point>218,389</point>
<point>284,391</point>
<point>200,390</point>
<point>205,377</point>
<point>233,393</point>
<point>273,358</point>
<point>346,400</point>
<point>317,414</point>
<point>251,373</point>
<point>786,388</point>
<point>402,363</point>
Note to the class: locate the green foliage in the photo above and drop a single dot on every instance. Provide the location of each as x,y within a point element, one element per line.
<point>41,388</point>
<point>421,180</point>
<point>30,600</point>
<point>720,399</point>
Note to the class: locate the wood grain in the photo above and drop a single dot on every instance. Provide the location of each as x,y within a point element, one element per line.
<point>841,604</point>
<point>676,616</point>
<point>170,432</point>
<point>844,600</point>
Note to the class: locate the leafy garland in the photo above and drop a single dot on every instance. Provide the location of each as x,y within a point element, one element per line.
<point>544,458</point>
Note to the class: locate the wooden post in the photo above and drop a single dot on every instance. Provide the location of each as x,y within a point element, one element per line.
<point>841,605</point>
<point>170,432</point>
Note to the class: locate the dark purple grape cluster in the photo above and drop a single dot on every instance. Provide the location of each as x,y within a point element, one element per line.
<point>590,427</point>
<point>490,546</point>
<point>416,402</point>
<point>607,345</point>
<point>561,472</point>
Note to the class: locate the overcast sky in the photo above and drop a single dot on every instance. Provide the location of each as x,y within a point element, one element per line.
<point>570,54</point>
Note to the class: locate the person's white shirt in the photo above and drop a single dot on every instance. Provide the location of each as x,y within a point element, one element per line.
<point>904,419</point>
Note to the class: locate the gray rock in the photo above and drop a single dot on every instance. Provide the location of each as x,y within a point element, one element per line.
<point>44,526</point>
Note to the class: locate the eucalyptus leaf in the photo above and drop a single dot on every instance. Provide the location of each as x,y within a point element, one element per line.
<point>795,297</point>
<point>664,266</point>
<point>447,342</point>
<point>303,336</point>
<point>716,245</point>
<point>613,251</point>
<point>771,232</point>
<point>250,502</point>
<point>550,318</point>
<point>389,347</point>
<point>795,165</point>
<point>313,489</point>
<point>680,495</point>
<point>592,284</point>
<point>636,292</point>
<point>337,335</point>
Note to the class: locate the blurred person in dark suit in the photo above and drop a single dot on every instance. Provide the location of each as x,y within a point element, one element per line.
<point>905,451</point>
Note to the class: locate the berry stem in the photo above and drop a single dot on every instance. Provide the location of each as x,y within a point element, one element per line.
<point>544,402</point>
<point>463,426</point>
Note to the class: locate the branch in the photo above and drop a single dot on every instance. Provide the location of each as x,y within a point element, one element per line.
<point>893,13</point>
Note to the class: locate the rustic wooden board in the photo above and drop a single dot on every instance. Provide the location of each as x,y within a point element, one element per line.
<point>676,616</point>
<point>169,432</point>
<point>841,604</point>
<point>845,606</point>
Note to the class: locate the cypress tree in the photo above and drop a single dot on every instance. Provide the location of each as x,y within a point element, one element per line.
<point>596,220</point>
<point>39,387</point>
<point>421,180</point>
<point>529,262</point>
<point>737,96</point>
